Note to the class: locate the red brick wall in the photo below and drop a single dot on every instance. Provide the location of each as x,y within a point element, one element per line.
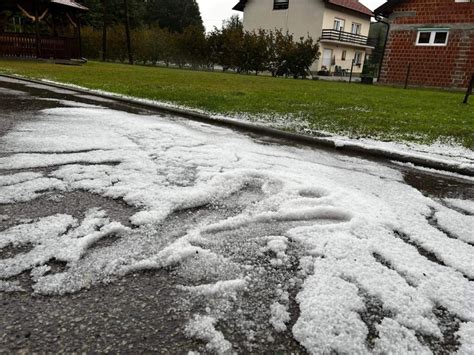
<point>440,66</point>
<point>435,11</point>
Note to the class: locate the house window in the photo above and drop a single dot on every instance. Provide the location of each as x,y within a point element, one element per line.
<point>339,24</point>
<point>358,58</point>
<point>344,53</point>
<point>356,27</point>
<point>437,37</point>
<point>280,4</point>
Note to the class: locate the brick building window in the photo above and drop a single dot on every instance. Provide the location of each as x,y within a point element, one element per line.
<point>435,37</point>
<point>343,56</point>
<point>280,4</point>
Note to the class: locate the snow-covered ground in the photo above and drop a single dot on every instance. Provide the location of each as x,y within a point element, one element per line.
<point>337,251</point>
<point>450,153</point>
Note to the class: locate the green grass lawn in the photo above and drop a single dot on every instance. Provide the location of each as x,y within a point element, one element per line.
<point>416,115</point>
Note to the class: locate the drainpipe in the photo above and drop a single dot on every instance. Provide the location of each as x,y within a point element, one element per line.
<point>379,19</point>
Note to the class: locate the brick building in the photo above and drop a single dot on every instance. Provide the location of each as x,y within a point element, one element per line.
<point>435,38</point>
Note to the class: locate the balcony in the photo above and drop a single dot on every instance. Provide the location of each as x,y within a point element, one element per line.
<point>347,37</point>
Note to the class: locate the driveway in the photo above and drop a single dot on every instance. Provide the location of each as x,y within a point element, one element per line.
<point>123,229</point>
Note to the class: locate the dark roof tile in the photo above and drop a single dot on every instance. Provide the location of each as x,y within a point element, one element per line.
<point>353,5</point>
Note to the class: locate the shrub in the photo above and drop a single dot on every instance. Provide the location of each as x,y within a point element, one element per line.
<point>229,47</point>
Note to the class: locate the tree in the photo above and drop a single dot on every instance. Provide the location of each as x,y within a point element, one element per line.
<point>127,32</point>
<point>193,45</point>
<point>115,12</point>
<point>226,44</point>
<point>293,58</point>
<point>174,15</point>
<point>255,51</point>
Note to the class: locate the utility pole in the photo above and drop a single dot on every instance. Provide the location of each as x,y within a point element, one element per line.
<point>104,30</point>
<point>127,32</point>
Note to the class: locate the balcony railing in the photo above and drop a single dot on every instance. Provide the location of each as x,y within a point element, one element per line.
<point>347,37</point>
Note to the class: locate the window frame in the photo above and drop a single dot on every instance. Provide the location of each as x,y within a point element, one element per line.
<point>340,21</point>
<point>343,55</point>
<point>358,55</point>
<point>433,32</point>
<point>358,26</point>
<point>281,4</point>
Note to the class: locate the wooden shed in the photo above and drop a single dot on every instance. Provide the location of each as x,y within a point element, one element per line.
<point>47,29</point>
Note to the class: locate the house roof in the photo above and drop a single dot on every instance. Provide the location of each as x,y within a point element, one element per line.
<point>70,3</point>
<point>386,8</point>
<point>353,5</point>
<point>240,6</point>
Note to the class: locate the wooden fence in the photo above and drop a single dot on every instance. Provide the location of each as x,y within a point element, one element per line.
<point>23,45</point>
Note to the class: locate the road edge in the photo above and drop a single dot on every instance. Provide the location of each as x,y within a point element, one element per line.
<point>326,142</point>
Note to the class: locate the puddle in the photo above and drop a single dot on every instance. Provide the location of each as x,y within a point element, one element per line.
<point>439,186</point>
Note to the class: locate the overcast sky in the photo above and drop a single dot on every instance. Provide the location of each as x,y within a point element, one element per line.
<point>214,11</point>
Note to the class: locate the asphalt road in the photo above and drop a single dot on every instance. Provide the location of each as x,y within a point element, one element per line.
<point>145,311</point>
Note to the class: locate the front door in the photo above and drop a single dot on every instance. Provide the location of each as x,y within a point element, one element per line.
<point>327,58</point>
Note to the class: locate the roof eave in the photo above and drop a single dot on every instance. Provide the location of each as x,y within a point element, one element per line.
<point>386,8</point>
<point>371,14</point>
<point>240,6</point>
<point>71,4</point>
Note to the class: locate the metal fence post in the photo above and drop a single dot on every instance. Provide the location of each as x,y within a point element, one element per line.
<point>469,90</point>
<point>352,68</point>
<point>408,75</point>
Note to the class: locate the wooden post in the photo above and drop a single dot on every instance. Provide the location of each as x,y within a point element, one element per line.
<point>104,31</point>
<point>37,34</point>
<point>79,37</point>
<point>408,75</point>
<point>127,32</point>
<point>469,90</point>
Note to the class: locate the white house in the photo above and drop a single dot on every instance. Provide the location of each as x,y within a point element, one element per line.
<point>342,26</point>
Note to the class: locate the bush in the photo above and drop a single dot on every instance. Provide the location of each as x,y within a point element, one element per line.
<point>229,47</point>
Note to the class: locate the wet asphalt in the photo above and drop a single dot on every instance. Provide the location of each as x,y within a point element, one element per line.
<point>137,313</point>
<point>134,314</point>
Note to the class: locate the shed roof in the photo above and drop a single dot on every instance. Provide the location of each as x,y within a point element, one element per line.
<point>70,3</point>
<point>353,5</point>
<point>12,4</point>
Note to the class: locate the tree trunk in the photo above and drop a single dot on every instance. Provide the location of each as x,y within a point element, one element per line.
<point>37,34</point>
<point>127,32</point>
<point>104,30</point>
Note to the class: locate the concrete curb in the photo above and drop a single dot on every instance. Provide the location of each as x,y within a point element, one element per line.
<point>351,148</point>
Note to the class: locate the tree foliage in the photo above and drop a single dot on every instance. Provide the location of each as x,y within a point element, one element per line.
<point>228,47</point>
<point>174,15</point>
